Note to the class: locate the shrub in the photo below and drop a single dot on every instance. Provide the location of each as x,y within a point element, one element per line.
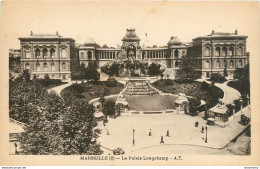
<point>111,82</point>
<point>217,78</point>
<point>168,82</point>
<point>204,86</point>
<point>118,151</point>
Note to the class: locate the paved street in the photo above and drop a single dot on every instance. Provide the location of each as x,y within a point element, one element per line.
<point>181,127</point>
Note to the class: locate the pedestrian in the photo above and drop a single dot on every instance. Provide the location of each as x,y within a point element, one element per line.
<point>162,142</point>
<point>150,133</point>
<point>168,133</point>
<point>196,124</point>
<point>202,129</point>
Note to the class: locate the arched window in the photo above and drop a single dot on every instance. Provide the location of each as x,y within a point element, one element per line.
<point>176,53</point>
<point>27,53</point>
<point>45,53</point>
<point>217,51</point>
<point>218,64</point>
<point>63,65</point>
<point>207,51</point>
<point>231,64</point>
<point>176,63</point>
<point>45,66</point>
<point>239,50</point>
<point>52,53</point>
<point>224,63</point>
<point>225,51</point>
<point>240,63</point>
<point>89,55</point>
<point>27,65</point>
<point>207,64</point>
<point>63,53</point>
<point>38,66</point>
<point>37,53</point>
<point>52,66</point>
<point>231,51</point>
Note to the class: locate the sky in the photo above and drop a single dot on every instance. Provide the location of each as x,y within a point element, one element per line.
<point>107,22</point>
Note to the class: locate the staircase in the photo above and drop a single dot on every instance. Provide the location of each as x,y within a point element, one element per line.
<point>139,88</point>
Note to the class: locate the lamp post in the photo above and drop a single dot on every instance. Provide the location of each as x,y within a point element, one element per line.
<point>248,100</point>
<point>241,105</point>
<point>133,137</point>
<point>206,140</point>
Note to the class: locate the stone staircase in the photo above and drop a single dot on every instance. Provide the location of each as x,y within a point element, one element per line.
<point>139,88</point>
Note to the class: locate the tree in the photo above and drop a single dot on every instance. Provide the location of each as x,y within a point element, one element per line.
<point>186,72</point>
<point>242,74</point>
<point>26,75</point>
<point>154,69</point>
<point>53,125</point>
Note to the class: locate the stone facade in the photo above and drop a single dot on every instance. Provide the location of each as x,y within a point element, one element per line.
<point>49,54</point>
<point>58,56</point>
<point>217,51</point>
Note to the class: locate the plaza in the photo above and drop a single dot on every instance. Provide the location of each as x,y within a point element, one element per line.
<point>181,128</point>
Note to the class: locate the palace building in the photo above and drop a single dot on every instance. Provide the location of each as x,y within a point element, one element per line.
<point>49,54</point>
<point>217,51</point>
<point>58,56</point>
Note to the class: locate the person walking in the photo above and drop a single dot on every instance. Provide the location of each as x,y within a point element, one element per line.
<point>162,142</point>
<point>168,133</point>
<point>196,124</point>
<point>150,133</point>
<point>202,129</point>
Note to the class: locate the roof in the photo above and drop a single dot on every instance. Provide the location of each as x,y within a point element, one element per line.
<point>130,35</point>
<point>90,42</point>
<point>45,36</point>
<point>219,108</point>
<point>174,41</point>
<point>220,35</point>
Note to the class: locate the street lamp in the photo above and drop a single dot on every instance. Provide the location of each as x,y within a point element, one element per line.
<point>241,104</point>
<point>206,140</point>
<point>133,137</point>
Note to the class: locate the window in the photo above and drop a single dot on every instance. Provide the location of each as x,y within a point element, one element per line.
<point>239,50</point>
<point>89,55</point>
<point>240,63</point>
<point>207,51</point>
<point>207,64</point>
<point>217,51</point>
<point>37,66</point>
<point>63,53</point>
<point>176,64</point>
<point>176,53</point>
<point>45,53</point>
<point>218,64</point>
<point>63,65</point>
<point>45,66</point>
<point>225,51</point>
<point>37,53</point>
<point>27,65</point>
<point>27,53</point>
<point>231,64</point>
<point>231,51</point>
<point>52,66</point>
<point>52,53</point>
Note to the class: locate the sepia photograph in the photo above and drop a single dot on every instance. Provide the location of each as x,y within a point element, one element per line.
<point>130,83</point>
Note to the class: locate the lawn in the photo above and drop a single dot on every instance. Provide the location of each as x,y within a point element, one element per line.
<point>210,96</point>
<point>91,91</point>
<point>150,103</point>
